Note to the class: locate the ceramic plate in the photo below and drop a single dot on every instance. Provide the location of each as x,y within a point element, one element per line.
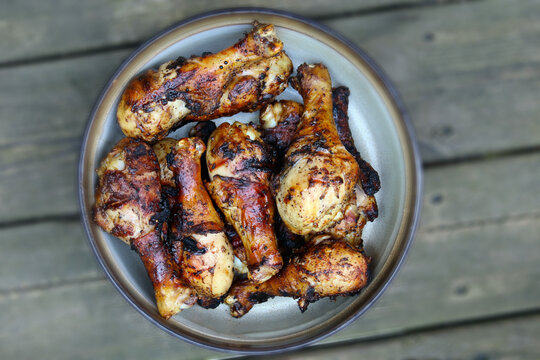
<point>382,135</point>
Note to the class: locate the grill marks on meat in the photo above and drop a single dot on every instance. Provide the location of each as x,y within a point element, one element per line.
<point>369,178</point>
<point>199,243</point>
<point>319,174</point>
<point>326,268</point>
<point>324,189</point>
<point>239,165</point>
<point>278,130</point>
<point>279,121</point>
<point>128,199</point>
<point>242,77</point>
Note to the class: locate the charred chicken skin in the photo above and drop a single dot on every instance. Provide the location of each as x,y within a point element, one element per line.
<point>319,175</point>
<point>239,165</point>
<point>279,121</point>
<point>128,206</point>
<point>199,242</point>
<point>163,148</point>
<point>169,191</point>
<point>243,77</point>
<point>362,206</point>
<point>327,267</point>
<point>369,178</point>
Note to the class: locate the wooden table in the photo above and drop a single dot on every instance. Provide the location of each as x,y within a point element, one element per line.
<point>469,73</point>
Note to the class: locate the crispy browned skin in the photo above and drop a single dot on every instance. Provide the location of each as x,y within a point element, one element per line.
<point>239,166</point>
<point>319,175</point>
<point>128,206</point>
<point>362,206</point>
<point>162,148</point>
<point>369,178</point>
<point>243,77</point>
<point>169,191</point>
<point>203,130</point>
<point>198,239</point>
<point>279,121</point>
<point>327,267</point>
<point>289,242</point>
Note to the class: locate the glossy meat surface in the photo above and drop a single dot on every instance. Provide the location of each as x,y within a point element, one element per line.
<point>319,175</point>
<point>327,267</point>
<point>128,206</point>
<point>198,239</point>
<point>239,165</point>
<point>242,77</point>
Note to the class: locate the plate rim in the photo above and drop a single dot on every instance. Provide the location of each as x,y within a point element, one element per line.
<point>412,208</point>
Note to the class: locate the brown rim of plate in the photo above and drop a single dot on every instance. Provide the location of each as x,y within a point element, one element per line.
<point>214,19</point>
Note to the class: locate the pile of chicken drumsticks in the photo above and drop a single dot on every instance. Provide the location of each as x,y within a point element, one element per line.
<point>242,212</point>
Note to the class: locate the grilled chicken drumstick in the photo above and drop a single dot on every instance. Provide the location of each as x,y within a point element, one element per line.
<point>327,267</point>
<point>319,175</point>
<point>240,78</point>
<point>239,165</point>
<point>127,206</point>
<point>198,239</point>
<point>279,121</point>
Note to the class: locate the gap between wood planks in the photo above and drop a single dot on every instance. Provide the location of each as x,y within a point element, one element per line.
<point>518,315</point>
<point>390,8</point>
<point>71,217</point>
<point>93,279</point>
<point>131,45</point>
<point>481,157</point>
<point>40,219</point>
<point>479,223</point>
<point>52,286</point>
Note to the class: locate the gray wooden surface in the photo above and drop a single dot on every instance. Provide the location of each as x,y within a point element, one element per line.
<point>469,73</point>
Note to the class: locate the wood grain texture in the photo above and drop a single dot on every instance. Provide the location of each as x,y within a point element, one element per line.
<point>40,134</point>
<point>482,101</point>
<point>455,271</point>
<point>460,274</point>
<point>497,189</point>
<point>30,29</point>
<point>503,339</point>
<point>44,255</point>
<point>89,321</point>
<point>469,73</point>
<point>456,197</point>
<point>423,295</point>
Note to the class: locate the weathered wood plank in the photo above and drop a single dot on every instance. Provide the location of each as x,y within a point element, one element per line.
<point>515,338</point>
<point>469,73</point>
<point>459,109</point>
<point>83,322</point>
<point>454,275</point>
<point>40,134</point>
<point>472,192</point>
<point>492,261</point>
<point>45,254</point>
<point>469,273</point>
<point>30,29</point>
<point>456,196</point>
